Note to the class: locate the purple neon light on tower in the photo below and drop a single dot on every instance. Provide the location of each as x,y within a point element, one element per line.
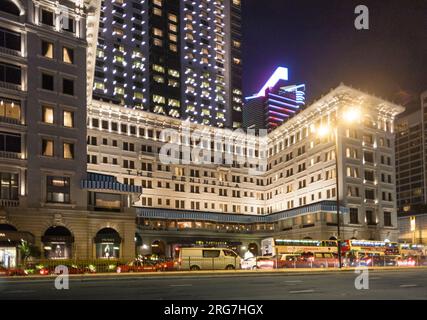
<point>275,103</point>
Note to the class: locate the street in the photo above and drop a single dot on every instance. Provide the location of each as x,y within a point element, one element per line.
<point>402,284</point>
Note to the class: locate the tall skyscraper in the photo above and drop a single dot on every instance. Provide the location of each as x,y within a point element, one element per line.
<point>176,58</point>
<point>275,103</point>
<point>411,169</point>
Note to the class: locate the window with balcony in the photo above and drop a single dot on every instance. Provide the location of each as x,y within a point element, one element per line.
<point>9,186</point>
<point>10,73</point>
<point>10,109</point>
<point>10,142</point>
<point>10,40</point>
<point>58,189</point>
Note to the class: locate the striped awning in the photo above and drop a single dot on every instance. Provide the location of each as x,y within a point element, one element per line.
<point>97,181</point>
<point>165,214</point>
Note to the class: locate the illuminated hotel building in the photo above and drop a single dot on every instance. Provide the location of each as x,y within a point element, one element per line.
<point>275,103</point>
<point>295,196</point>
<point>82,178</point>
<point>176,58</point>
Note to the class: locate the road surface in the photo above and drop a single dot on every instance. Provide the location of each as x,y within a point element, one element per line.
<point>404,284</point>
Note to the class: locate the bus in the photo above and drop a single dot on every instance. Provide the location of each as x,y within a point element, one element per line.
<point>369,253</point>
<point>272,246</point>
<point>307,253</point>
<point>412,255</point>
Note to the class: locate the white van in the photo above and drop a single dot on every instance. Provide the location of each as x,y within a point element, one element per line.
<point>208,259</point>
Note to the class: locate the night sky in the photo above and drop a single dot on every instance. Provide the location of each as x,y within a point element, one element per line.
<point>319,44</point>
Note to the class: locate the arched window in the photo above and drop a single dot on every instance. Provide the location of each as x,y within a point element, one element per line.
<point>107,243</point>
<point>57,243</point>
<point>10,7</point>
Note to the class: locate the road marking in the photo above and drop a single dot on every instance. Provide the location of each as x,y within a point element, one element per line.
<point>181,285</point>
<point>375,278</point>
<point>302,291</point>
<point>19,291</point>
<point>408,285</point>
<point>293,281</point>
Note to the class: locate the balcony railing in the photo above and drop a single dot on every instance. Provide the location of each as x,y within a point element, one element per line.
<point>9,120</point>
<point>10,52</point>
<point>9,203</point>
<point>10,86</point>
<point>10,155</point>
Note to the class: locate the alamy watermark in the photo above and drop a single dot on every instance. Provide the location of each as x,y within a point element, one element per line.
<point>362,19</point>
<point>215,147</point>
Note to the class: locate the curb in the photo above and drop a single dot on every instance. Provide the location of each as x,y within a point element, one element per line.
<point>219,273</point>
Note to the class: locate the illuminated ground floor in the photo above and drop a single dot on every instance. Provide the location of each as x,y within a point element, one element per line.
<point>74,234</point>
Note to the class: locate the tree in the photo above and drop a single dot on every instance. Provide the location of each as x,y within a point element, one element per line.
<point>27,251</point>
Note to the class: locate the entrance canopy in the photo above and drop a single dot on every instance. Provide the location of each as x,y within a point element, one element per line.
<point>10,236</point>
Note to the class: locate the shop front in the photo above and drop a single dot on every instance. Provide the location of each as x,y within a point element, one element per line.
<point>10,239</point>
<point>107,244</point>
<point>57,243</point>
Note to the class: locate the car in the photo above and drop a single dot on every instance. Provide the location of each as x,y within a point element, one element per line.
<point>138,265</point>
<point>166,264</point>
<point>310,260</point>
<point>407,262</point>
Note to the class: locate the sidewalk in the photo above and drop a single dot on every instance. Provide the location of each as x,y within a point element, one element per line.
<point>221,273</point>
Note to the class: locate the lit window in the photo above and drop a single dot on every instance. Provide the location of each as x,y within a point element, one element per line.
<point>138,95</point>
<point>68,150</point>
<point>173,37</point>
<point>173,27</point>
<point>158,68</point>
<point>47,114</point>
<point>157,11</point>
<point>10,109</point>
<point>68,119</point>
<point>47,148</point>
<point>67,55</point>
<point>157,32</point>
<point>159,99</point>
<point>173,73</point>
<point>47,49</point>
<point>173,17</point>
<point>158,42</point>
<point>173,47</point>
<point>159,79</point>
<point>58,189</point>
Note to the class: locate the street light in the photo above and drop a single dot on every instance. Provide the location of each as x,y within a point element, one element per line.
<point>349,116</point>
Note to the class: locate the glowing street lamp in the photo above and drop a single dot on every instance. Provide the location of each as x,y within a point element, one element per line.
<point>349,116</point>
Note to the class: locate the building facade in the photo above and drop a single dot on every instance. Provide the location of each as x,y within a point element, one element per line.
<point>176,58</point>
<point>296,170</point>
<point>411,172</point>
<point>43,99</point>
<point>85,178</point>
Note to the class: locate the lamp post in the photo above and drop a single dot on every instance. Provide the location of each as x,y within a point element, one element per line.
<point>351,115</point>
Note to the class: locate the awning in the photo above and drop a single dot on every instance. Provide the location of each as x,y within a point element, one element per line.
<point>103,182</point>
<point>14,238</point>
<point>108,238</point>
<point>67,239</point>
